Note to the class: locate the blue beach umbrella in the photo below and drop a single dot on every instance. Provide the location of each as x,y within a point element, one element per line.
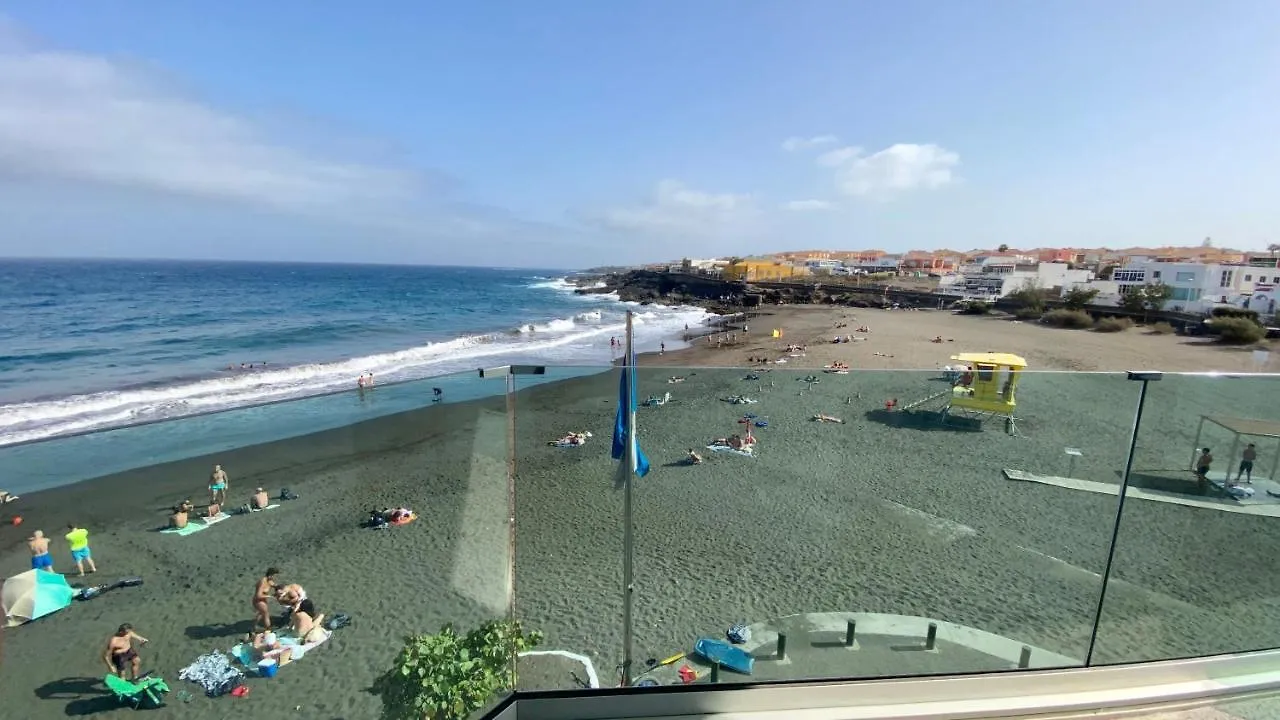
<point>34,594</point>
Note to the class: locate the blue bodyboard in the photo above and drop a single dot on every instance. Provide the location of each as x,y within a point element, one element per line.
<point>725,655</point>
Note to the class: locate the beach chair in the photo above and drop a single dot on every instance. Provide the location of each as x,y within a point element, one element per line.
<point>147,690</point>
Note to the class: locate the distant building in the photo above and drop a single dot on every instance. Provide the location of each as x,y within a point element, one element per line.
<point>762,269</point>
<point>1002,275</point>
<point>1197,287</point>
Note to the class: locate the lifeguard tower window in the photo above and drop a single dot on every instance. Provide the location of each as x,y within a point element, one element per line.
<point>986,372</point>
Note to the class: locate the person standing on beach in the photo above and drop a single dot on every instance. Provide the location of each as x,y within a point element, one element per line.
<point>40,557</point>
<point>1203,464</point>
<point>78,539</point>
<point>218,484</point>
<point>262,593</point>
<point>120,655</point>
<point>1246,463</point>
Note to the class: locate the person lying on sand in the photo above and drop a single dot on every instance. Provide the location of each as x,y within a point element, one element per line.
<point>262,592</point>
<point>267,645</point>
<point>259,500</point>
<point>307,625</point>
<point>822,417</point>
<point>675,379</point>
<point>5,497</point>
<point>693,457</point>
<point>573,438</point>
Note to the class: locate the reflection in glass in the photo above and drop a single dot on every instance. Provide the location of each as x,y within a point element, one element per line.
<point>1194,572</point>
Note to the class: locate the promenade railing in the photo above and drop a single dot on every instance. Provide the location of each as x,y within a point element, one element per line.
<point>876,527</point>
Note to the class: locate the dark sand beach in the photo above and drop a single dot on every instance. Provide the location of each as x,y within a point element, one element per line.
<point>885,513</point>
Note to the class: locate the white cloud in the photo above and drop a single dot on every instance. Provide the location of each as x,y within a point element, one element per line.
<point>793,144</point>
<point>675,208</point>
<point>79,117</point>
<point>896,169</point>
<point>807,205</point>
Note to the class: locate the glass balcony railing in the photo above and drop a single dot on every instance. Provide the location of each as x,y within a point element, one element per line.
<point>831,526</point>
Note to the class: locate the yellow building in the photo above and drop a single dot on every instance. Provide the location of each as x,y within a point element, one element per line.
<point>751,270</point>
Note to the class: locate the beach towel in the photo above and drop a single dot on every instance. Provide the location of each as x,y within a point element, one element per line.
<point>192,527</point>
<point>213,672</point>
<point>269,507</point>
<point>746,452</point>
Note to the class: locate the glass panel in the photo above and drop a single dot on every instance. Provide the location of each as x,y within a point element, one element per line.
<point>569,530</point>
<point>1194,571</point>
<point>338,457</point>
<point>885,516</point>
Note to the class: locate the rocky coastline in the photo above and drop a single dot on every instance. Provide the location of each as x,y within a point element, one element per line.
<point>723,296</point>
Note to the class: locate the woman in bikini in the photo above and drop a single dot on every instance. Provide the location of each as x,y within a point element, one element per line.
<point>262,593</point>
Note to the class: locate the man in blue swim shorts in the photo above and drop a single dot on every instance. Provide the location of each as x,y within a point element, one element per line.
<point>218,484</point>
<point>40,557</point>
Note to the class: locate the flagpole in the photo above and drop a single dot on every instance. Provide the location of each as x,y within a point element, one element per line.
<point>628,474</point>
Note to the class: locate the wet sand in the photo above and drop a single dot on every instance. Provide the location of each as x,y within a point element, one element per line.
<point>885,513</point>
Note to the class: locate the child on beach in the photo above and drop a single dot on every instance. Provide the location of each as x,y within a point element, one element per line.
<point>78,540</point>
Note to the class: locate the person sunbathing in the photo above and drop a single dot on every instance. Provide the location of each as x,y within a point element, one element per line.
<point>212,511</point>
<point>179,518</point>
<point>822,417</point>
<point>675,379</point>
<point>694,458</point>
<point>259,500</point>
<point>267,645</point>
<point>306,626</point>
<point>6,498</point>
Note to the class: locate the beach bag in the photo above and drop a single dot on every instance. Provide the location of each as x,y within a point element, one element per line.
<point>339,620</point>
<point>738,634</point>
<point>287,494</point>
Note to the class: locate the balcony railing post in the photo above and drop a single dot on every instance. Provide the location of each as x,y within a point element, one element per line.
<point>1146,378</point>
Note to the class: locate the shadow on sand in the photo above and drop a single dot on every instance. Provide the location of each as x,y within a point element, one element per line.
<point>925,420</point>
<point>86,695</point>
<point>1175,481</point>
<point>219,630</point>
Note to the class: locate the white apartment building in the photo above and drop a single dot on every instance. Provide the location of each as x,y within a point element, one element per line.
<point>1197,287</point>
<point>999,276</point>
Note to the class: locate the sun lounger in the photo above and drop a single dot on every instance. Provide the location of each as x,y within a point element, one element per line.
<point>147,690</point>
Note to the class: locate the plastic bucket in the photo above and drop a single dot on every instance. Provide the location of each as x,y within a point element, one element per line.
<point>267,668</point>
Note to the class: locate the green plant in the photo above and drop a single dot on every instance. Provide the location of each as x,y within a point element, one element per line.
<point>975,307</point>
<point>1160,328</point>
<point>448,676</point>
<point>1028,313</point>
<point>1111,324</point>
<point>1077,298</point>
<point>1227,312</point>
<point>1074,319</point>
<point>1237,330</point>
<point>1029,296</point>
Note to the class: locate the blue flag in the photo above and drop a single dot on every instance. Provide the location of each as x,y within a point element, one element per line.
<point>627,407</point>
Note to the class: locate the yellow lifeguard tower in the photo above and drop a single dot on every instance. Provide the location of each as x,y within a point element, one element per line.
<point>988,387</point>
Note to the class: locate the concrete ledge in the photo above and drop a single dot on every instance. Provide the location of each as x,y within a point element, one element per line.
<point>1219,504</point>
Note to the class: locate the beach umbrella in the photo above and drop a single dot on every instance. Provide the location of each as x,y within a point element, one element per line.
<point>34,594</point>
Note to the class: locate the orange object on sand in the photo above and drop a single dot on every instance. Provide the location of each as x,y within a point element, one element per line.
<point>687,674</point>
<point>17,520</point>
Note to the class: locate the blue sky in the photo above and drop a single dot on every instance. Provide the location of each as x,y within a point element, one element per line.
<point>578,133</point>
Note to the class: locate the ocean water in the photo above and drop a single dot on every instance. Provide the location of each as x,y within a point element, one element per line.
<point>89,344</point>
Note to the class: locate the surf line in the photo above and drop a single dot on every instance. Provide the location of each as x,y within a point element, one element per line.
<point>592,678</point>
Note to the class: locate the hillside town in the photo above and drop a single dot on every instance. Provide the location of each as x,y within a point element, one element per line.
<point>1197,279</point>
